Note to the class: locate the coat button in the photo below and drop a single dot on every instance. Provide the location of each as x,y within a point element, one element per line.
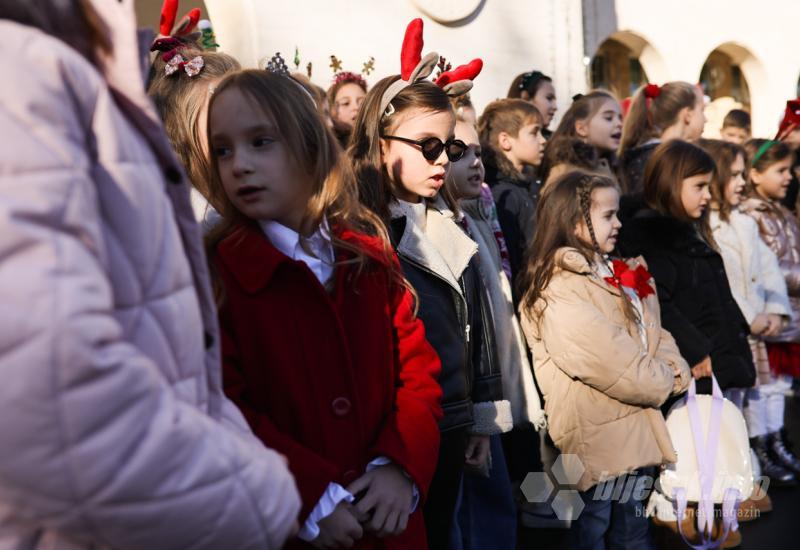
<point>172,174</point>
<point>341,406</point>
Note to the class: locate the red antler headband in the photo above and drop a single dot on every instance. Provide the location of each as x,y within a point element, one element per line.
<point>175,38</point>
<point>415,68</point>
<point>791,119</point>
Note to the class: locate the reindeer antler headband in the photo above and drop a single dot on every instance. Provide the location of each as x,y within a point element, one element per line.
<point>414,68</point>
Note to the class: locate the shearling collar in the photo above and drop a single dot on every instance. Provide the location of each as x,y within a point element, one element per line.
<point>439,245</point>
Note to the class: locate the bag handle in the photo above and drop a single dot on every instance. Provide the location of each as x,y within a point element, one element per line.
<point>706,454</point>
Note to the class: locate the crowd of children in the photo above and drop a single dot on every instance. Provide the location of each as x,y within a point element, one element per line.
<point>414,303</point>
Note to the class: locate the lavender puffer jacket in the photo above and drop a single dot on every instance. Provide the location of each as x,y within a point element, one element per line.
<point>114,431</point>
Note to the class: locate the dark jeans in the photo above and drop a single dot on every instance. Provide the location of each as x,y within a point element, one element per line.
<point>614,515</point>
<point>440,506</point>
<point>487,515</point>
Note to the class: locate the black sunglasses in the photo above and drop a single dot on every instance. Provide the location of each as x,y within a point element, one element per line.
<point>432,147</point>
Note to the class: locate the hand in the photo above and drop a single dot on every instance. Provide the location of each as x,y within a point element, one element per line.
<point>477,452</point>
<point>702,369</point>
<point>774,325</point>
<point>389,494</point>
<point>759,324</point>
<point>340,529</point>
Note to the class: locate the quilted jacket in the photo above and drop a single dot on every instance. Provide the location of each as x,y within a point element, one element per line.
<point>114,431</point>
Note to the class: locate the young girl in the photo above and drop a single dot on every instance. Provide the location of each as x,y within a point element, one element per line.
<point>401,147</point>
<point>345,97</point>
<point>594,119</point>
<point>510,131</point>
<point>671,231</point>
<point>603,362</point>
<point>487,513</point>
<point>538,89</point>
<point>760,291</point>
<point>657,114</point>
<point>182,103</point>
<point>769,178</point>
<point>321,349</point>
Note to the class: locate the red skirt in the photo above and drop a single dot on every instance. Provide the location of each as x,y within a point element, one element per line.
<point>784,358</point>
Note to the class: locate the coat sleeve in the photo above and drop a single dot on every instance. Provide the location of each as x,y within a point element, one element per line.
<point>693,344</point>
<point>311,471</point>
<point>96,444</point>
<point>773,282</point>
<point>601,353</point>
<point>770,233</point>
<point>515,225</point>
<point>410,435</point>
<point>668,352</point>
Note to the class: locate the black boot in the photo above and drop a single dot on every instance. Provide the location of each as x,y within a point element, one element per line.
<point>781,454</point>
<point>777,474</point>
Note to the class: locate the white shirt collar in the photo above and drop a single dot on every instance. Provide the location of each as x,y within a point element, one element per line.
<point>288,242</point>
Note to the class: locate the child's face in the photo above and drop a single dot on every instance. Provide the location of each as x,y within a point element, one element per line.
<point>695,194</point>
<point>411,174</point>
<point>466,175</point>
<point>347,102</point>
<point>545,102</point>
<point>733,191</point>
<point>604,129</point>
<point>734,135</point>
<point>603,213</point>
<point>697,119</point>
<point>257,173</point>
<point>527,148</point>
<point>773,182</point>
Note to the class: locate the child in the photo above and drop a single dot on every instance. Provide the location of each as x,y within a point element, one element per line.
<point>538,89</point>
<point>769,178</point>
<point>345,97</point>
<point>657,114</point>
<point>401,147</point>
<point>596,120</point>
<point>736,127</point>
<point>671,231</point>
<point>602,360</point>
<point>321,349</point>
<point>510,131</point>
<point>760,291</point>
<point>487,514</point>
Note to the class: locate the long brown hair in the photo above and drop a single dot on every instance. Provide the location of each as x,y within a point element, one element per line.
<point>509,116</point>
<point>648,118</point>
<point>313,148</point>
<point>724,154</point>
<point>670,164</point>
<point>374,185</point>
<point>179,100</point>
<point>74,22</point>
<point>563,206</point>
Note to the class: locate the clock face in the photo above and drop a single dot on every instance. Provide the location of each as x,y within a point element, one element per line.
<point>447,11</point>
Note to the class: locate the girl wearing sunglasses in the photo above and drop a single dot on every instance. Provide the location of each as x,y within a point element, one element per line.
<point>401,148</point>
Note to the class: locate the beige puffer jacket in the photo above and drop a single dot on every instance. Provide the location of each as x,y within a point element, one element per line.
<point>602,389</point>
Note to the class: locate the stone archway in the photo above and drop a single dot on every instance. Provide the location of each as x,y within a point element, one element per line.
<point>625,61</point>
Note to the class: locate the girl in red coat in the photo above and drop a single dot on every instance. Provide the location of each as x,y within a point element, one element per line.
<point>321,347</point>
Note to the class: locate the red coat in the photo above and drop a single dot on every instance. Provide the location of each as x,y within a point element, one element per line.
<point>332,381</point>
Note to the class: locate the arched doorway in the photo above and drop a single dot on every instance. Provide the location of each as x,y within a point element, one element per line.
<point>722,76</point>
<point>624,62</point>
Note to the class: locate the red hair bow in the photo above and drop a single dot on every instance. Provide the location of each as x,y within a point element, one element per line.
<point>652,91</point>
<point>637,279</point>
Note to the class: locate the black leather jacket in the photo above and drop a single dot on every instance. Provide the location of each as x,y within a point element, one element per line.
<point>460,332</point>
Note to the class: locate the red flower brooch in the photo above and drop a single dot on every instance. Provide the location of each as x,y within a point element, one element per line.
<point>636,279</point>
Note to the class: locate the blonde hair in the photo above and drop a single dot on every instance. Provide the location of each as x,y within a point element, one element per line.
<point>179,100</point>
<point>509,116</point>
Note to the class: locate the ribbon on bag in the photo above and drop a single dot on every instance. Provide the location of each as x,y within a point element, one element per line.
<point>706,454</point>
